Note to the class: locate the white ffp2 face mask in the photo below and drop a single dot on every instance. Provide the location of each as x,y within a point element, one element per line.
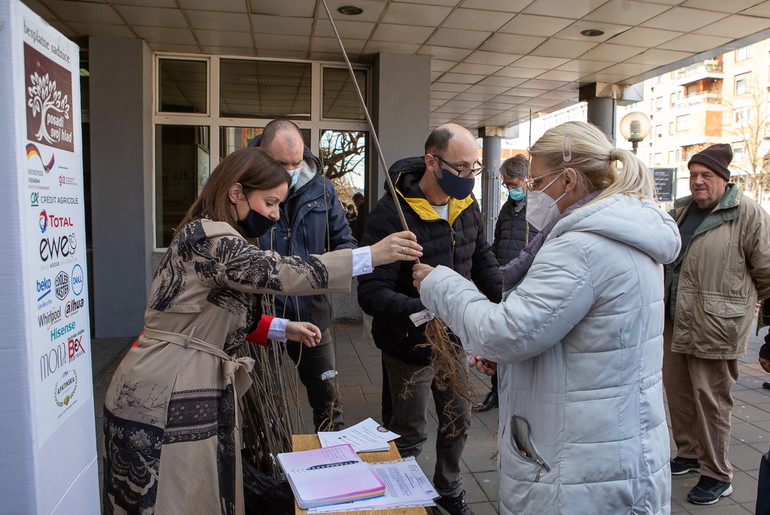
<point>294,176</point>
<point>541,208</point>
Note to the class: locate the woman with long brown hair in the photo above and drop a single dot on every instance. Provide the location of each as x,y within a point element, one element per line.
<point>171,435</point>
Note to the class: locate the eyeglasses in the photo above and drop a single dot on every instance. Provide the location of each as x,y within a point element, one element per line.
<point>463,172</point>
<point>533,183</point>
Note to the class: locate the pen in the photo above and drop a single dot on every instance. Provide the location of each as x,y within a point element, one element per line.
<point>328,465</point>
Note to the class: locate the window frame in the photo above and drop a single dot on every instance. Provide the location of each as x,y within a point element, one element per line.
<point>215,122</point>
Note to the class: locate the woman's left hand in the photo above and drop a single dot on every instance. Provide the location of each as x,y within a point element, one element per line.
<point>304,332</point>
<point>419,272</point>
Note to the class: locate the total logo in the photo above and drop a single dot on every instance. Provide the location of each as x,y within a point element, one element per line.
<point>43,288</point>
<point>58,246</point>
<point>58,332</point>
<point>54,221</point>
<point>62,285</point>
<point>73,307</point>
<point>77,279</point>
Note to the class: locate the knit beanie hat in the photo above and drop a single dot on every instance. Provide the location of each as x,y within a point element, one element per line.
<point>716,158</point>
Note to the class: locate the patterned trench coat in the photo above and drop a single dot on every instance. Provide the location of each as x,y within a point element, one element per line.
<point>171,441</point>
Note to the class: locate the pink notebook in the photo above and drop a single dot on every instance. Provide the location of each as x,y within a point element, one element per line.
<point>329,475</point>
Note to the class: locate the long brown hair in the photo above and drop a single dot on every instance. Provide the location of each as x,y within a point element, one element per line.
<point>252,167</point>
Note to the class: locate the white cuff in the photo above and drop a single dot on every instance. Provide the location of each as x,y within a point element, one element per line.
<point>362,261</point>
<point>277,330</point>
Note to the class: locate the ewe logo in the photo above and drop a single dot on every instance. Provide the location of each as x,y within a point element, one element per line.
<point>62,285</point>
<point>43,221</point>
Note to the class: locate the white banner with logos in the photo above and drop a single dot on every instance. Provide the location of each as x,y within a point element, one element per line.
<point>45,92</point>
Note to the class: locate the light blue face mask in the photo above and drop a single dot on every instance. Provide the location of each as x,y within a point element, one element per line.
<point>516,194</point>
<point>294,176</point>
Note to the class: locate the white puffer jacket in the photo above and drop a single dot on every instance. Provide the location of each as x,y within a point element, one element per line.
<point>579,349</point>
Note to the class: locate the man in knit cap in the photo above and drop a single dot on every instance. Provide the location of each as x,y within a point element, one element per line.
<point>711,292</point>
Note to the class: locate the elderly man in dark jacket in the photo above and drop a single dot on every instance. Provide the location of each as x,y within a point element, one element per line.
<point>312,222</point>
<point>435,194</point>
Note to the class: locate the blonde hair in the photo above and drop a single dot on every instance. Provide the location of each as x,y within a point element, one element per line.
<point>593,157</point>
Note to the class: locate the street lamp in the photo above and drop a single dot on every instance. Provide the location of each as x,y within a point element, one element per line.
<point>635,127</point>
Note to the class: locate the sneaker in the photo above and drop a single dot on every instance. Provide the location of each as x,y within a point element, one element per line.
<point>490,402</point>
<point>681,466</point>
<point>709,490</point>
<point>454,505</point>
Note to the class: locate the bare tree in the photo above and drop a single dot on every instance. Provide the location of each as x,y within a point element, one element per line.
<point>342,152</point>
<point>750,132</point>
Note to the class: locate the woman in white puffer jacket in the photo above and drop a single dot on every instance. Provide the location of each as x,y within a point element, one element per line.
<point>578,341</point>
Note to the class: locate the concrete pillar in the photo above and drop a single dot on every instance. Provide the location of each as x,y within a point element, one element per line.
<point>400,112</point>
<point>490,179</point>
<point>601,112</point>
<point>121,182</point>
<point>601,104</point>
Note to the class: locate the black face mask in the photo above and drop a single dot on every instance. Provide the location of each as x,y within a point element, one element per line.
<point>255,224</point>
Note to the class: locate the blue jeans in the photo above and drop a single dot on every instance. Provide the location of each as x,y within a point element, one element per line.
<point>763,488</point>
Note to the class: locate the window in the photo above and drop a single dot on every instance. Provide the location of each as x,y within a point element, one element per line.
<point>181,169</point>
<point>671,128</point>
<point>743,53</point>
<point>182,86</point>
<point>264,89</point>
<point>659,104</point>
<point>740,83</point>
<point>683,123</point>
<point>340,99</point>
<point>672,100</point>
<point>210,106</point>
<point>691,90</point>
<point>670,157</point>
<point>659,131</point>
<point>658,158</point>
<point>742,115</point>
<point>739,153</point>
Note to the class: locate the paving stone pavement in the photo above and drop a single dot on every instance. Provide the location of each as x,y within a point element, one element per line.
<point>360,376</point>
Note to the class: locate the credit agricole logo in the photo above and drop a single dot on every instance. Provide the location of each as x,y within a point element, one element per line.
<point>49,90</point>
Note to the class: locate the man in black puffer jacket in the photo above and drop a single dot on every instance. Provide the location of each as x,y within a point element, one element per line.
<point>435,194</point>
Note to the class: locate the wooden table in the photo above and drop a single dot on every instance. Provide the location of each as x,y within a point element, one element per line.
<point>307,442</point>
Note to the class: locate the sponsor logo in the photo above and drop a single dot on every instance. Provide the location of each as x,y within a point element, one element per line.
<point>58,332</point>
<point>75,348</point>
<point>66,387</point>
<point>62,285</point>
<point>43,288</point>
<point>73,307</point>
<point>52,360</point>
<point>59,246</point>
<point>50,318</point>
<point>48,87</point>
<point>36,199</point>
<point>77,279</point>
<point>43,221</point>
<point>33,151</point>
<point>65,180</point>
<point>54,221</point>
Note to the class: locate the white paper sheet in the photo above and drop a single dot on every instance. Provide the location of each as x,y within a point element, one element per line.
<point>366,436</point>
<point>405,486</point>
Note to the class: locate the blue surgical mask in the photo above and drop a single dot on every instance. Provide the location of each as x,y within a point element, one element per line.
<point>516,194</point>
<point>455,186</point>
<point>294,176</point>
